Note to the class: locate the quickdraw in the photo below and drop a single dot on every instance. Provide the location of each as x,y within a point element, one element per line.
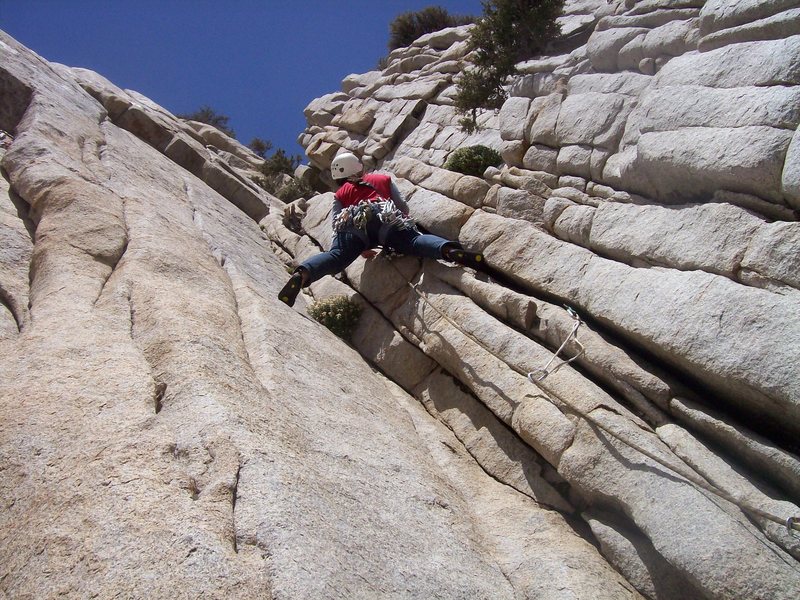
<point>793,523</point>
<point>541,374</point>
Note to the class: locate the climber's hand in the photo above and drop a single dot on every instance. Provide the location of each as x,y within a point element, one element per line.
<point>367,254</point>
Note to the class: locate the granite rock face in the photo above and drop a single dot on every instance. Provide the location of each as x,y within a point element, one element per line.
<point>650,184</point>
<point>166,422</point>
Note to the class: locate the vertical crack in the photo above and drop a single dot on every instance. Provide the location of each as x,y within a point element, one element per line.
<point>5,300</point>
<point>98,152</point>
<point>113,264</point>
<point>159,387</point>
<point>18,243</point>
<point>22,207</point>
<point>234,496</point>
<point>158,395</point>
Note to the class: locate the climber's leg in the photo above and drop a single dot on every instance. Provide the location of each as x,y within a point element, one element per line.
<point>345,249</point>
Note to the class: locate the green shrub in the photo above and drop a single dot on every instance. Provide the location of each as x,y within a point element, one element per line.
<point>284,188</point>
<point>280,162</point>
<point>276,172</point>
<point>293,190</point>
<point>408,26</point>
<point>337,313</point>
<point>510,31</point>
<point>260,146</point>
<point>473,160</point>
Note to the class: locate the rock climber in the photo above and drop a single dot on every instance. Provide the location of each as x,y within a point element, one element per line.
<point>369,211</point>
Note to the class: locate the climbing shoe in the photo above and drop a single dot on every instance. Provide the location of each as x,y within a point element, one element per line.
<point>473,260</point>
<point>288,293</point>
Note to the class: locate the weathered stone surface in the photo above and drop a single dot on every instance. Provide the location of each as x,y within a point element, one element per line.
<point>242,194</point>
<point>413,90</point>
<point>492,444</point>
<point>321,111</point>
<point>692,163</point>
<point>470,190</point>
<point>724,14</point>
<point>772,260</point>
<point>673,107</point>
<point>438,213</point>
<point>251,442</point>
<point>543,127</point>
<point>575,194</point>
<point>672,39</point>
<point>738,65</point>
<point>723,477</point>
<point>16,249</point>
<point>445,38</point>
<point>538,424</point>
<point>517,531</point>
<point>652,18</point>
<point>376,339</point>
<point>442,181</point>
<point>777,26</point>
<point>513,118</point>
<point>520,204</point>
<point>605,475</point>
<point>538,182</point>
<point>775,465</point>
<point>790,179</point>
<point>195,451</point>
<point>506,305</point>
<point>717,314</point>
<point>414,170</point>
<point>605,44</point>
<point>576,124</point>
<point>629,84</point>
<point>539,157</point>
<point>410,64</point>
<point>533,86</point>
<point>357,116</point>
<point>614,158</point>
<point>575,159</point>
<point>709,237</point>
<point>634,556</point>
<point>574,224</point>
<point>356,80</point>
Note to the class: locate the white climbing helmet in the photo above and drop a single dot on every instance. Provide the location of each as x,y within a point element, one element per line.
<point>346,165</point>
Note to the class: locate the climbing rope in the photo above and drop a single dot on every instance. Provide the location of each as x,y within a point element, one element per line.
<point>359,215</point>
<point>792,523</point>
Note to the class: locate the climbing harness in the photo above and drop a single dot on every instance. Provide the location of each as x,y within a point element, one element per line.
<point>540,374</point>
<point>791,524</point>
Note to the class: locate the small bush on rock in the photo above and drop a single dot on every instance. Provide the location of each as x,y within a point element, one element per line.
<point>276,172</point>
<point>208,115</point>
<point>408,26</point>
<point>337,313</point>
<point>473,160</point>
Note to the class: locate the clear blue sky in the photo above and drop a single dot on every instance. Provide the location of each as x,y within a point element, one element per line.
<point>260,62</point>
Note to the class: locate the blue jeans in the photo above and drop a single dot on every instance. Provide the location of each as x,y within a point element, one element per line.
<point>347,247</point>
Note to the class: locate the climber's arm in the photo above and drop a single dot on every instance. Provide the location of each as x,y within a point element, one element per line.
<point>398,199</point>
